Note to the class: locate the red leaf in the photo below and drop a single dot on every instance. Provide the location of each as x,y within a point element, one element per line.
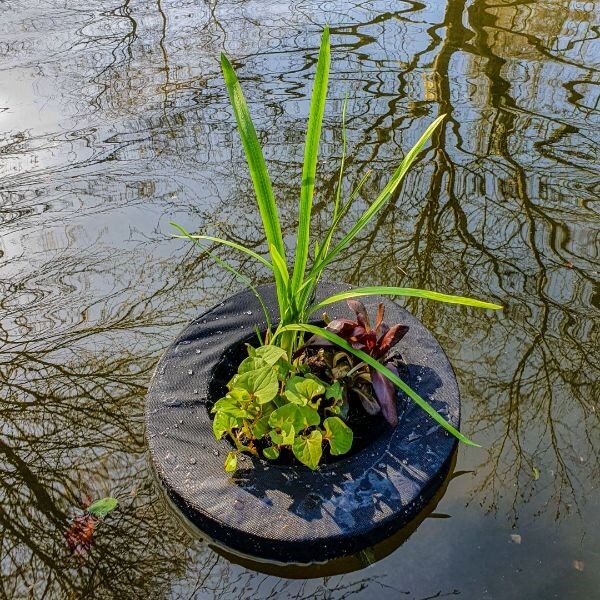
<point>390,339</point>
<point>386,394</point>
<point>361,313</point>
<point>80,535</point>
<point>379,317</point>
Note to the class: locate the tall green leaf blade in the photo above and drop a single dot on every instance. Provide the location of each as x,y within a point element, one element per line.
<point>336,339</point>
<point>386,193</point>
<point>400,291</point>
<point>255,158</point>
<point>311,150</point>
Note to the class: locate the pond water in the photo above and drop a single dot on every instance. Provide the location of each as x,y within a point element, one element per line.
<point>114,121</point>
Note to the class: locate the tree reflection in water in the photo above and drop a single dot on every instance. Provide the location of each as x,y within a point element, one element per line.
<point>117,122</point>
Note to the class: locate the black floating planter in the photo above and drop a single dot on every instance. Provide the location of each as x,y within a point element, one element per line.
<point>288,513</point>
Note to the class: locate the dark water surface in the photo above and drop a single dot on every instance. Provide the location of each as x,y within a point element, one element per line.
<point>114,120</point>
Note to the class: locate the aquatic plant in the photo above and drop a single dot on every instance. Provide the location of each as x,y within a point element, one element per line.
<point>246,403</point>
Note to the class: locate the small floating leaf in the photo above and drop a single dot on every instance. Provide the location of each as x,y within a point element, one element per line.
<point>80,535</point>
<point>102,507</point>
<point>536,473</point>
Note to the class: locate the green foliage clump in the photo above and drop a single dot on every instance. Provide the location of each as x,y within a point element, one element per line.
<point>273,405</point>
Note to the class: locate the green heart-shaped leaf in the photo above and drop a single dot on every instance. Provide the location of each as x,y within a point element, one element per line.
<point>251,364</point>
<point>300,417</point>
<point>339,435</point>
<point>285,437</point>
<point>230,407</point>
<point>302,390</point>
<point>270,354</point>
<point>261,383</point>
<point>222,423</point>
<point>271,453</point>
<point>231,462</point>
<point>261,427</point>
<point>308,449</point>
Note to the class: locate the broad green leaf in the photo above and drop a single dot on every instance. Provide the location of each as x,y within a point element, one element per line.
<point>261,383</point>
<point>251,364</point>
<point>261,427</point>
<point>270,354</point>
<point>311,151</point>
<point>271,453</point>
<point>301,390</point>
<point>231,462</point>
<point>102,507</point>
<point>230,407</point>
<point>308,449</point>
<point>399,291</point>
<point>336,339</point>
<point>310,416</point>
<point>334,392</point>
<point>285,437</point>
<point>223,423</point>
<point>300,417</point>
<point>339,435</point>
<point>385,194</point>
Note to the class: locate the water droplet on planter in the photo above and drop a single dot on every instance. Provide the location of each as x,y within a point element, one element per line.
<point>190,372</point>
<point>203,320</point>
<point>219,332</point>
<point>196,392</point>
<point>198,351</point>
<point>192,461</point>
<point>248,312</point>
<point>216,452</point>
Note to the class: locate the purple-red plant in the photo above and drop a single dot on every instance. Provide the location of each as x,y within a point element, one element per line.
<point>375,341</point>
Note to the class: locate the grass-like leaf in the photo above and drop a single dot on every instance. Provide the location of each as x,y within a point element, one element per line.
<point>210,238</point>
<point>372,362</point>
<point>311,151</point>
<point>256,164</point>
<point>400,291</point>
<point>386,193</point>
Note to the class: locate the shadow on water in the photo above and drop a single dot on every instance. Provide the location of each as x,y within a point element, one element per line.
<point>114,120</point>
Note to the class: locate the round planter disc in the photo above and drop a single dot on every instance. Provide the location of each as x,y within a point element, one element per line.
<point>290,513</point>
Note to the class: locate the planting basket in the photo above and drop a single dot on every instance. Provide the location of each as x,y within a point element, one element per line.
<point>288,513</point>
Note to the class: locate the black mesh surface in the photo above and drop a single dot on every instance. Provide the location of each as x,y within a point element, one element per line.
<point>290,513</point>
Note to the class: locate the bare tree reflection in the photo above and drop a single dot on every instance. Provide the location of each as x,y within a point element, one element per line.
<point>92,290</point>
